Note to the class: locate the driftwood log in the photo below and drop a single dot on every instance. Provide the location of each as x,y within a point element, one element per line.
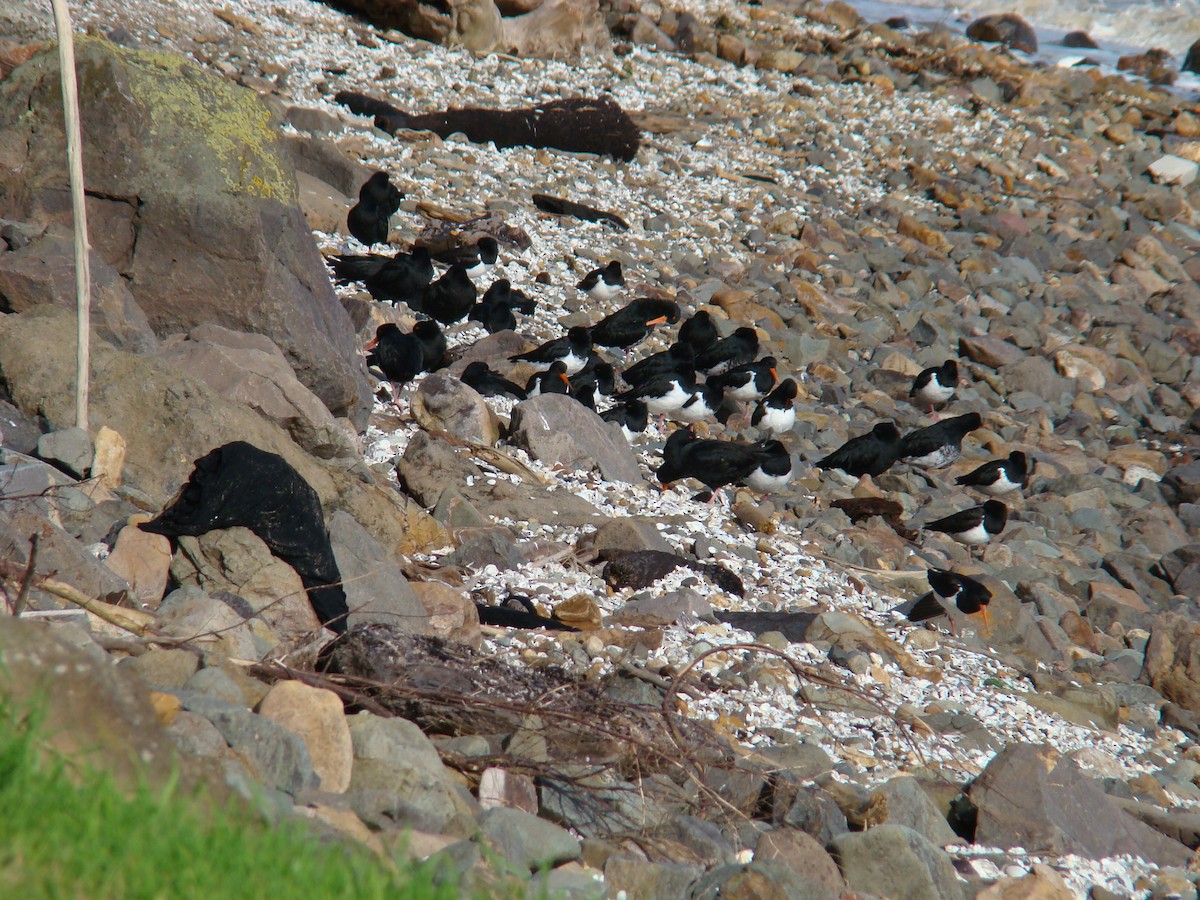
<point>577,125</point>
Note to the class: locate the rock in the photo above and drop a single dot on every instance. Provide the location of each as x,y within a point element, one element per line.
<point>250,369</point>
<point>759,880</point>
<point>1027,797</point>
<point>190,614</point>
<point>317,717</point>
<point>1042,883</point>
<point>663,609</point>
<point>491,546</point>
<point>17,430</point>
<point>143,399</point>
<point>1191,62</point>
<point>108,457</point>
<point>43,272</point>
<point>989,351</point>
<point>526,841</point>
<point>23,515</point>
<point>451,612</point>
<point>227,244</point>
<point>781,60</point>
<point>429,466</point>
<point>324,206</point>
<point>628,533</point>
<point>376,589</point>
<point>500,787</point>
<point>909,805</point>
<point>899,858</point>
<point>70,449</point>
<point>1004,28</point>
<point>445,403</point>
<point>393,757</point>
<point>167,669</point>
<point>274,755</point>
<point>1174,170</point>
<point>643,880</point>
<point>558,430</point>
<point>100,716</point>
<point>802,854</point>
<point>1172,664</point>
<point>236,561</point>
<point>143,560</point>
<point>1079,40</point>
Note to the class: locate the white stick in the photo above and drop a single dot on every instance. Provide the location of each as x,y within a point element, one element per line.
<point>83,275</point>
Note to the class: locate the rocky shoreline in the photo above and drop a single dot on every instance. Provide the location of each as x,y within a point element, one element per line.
<point>873,201</point>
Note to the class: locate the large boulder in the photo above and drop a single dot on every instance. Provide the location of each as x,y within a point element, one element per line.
<point>1172,664</point>
<point>191,199</point>
<point>170,419</point>
<point>559,430</point>
<point>1029,797</point>
<point>250,368</point>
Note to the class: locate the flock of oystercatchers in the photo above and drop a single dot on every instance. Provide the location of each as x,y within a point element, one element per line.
<point>664,384</point>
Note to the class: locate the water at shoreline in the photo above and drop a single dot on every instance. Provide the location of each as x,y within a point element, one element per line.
<point>1120,27</point>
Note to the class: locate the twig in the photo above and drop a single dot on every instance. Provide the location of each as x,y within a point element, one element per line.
<point>27,578</point>
<point>131,620</point>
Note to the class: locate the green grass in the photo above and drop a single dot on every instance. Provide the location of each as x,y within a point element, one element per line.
<point>71,834</point>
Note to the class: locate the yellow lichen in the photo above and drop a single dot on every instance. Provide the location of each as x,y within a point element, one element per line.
<point>230,120</point>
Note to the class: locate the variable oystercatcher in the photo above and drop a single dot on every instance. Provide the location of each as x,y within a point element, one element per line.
<point>493,317</point>
<point>450,298</point>
<point>400,356</point>
<point>935,385</point>
<point>871,454</point>
<point>738,349</point>
<point>572,349</point>
<point>368,219</point>
<point>490,384</point>
<point>699,332</point>
<point>776,413</point>
<point>630,324</point>
<point>502,291</point>
<point>1000,476</point>
<point>749,381</point>
<point>603,284</point>
<point>393,279</point>
<point>600,375</point>
<point>678,359</point>
<point>974,527</point>
<point>476,258</point>
<point>939,444</point>
<point>713,463</point>
<point>707,402</point>
<point>774,469</point>
<point>664,394</point>
<point>632,416</point>
<point>951,591</point>
<point>433,344</point>
<point>553,381</point>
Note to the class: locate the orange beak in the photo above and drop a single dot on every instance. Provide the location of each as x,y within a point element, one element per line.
<point>566,380</point>
<point>987,627</point>
<point>371,344</point>
<point>666,487</point>
<point>774,376</point>
<point>657,321</point>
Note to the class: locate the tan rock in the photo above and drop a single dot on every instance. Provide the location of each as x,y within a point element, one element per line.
<point>1043,883</point>
<point>1119,594</point>
<point>452,613</point>
<point>144,560</point>
<point>926,234</point>
<point>580,611</point>
<point>344,822</point>
<point>898,362</point>
<point>1131,456</point>
<point>1073,364</point>
<point>318,718</point>
<point>108,457</point>
<point>1187,125</point>
<point>166,706</point>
